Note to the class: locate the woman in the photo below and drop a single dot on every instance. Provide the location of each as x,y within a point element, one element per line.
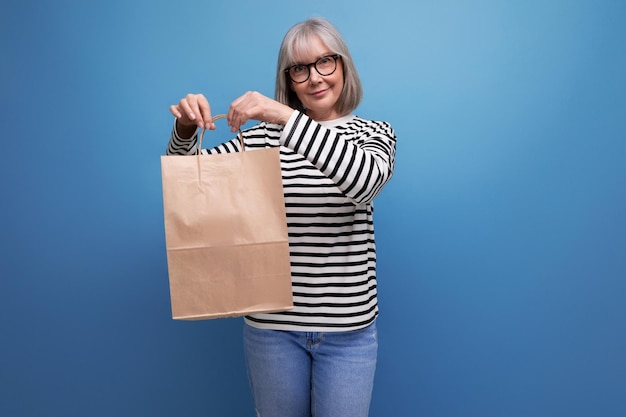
<point>319,358</point>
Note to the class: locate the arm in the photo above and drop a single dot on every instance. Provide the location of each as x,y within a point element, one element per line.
<point>193,112</point>
<point>360,167</point>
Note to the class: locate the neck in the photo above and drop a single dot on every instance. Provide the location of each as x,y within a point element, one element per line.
<point>330,114</point>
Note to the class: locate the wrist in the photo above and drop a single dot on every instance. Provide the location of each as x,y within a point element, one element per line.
<point>284,115</point>
<point>184,131</point>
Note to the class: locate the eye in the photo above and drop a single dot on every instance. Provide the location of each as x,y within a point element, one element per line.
<point>324,61</point>
<point>298,69</point>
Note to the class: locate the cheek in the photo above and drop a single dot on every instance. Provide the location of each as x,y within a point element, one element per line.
<point>339,80</point>
<point>338,83</point>
<point>298,90</point>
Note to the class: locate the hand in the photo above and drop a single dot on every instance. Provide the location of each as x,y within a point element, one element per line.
<point>193,111</point>
<point>256,106</point>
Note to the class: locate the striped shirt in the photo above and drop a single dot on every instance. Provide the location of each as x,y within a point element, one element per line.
<point>331,173</point>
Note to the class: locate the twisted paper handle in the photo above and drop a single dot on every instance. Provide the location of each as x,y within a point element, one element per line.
<point>219,116</point>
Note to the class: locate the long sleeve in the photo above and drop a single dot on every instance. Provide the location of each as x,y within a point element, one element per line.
<point>331,172</point>
<point>359,164</point>
<point>179,146</point>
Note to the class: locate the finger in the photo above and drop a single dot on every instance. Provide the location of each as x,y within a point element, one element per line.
<point>175,112</point>
<point>230,116</point>
<point>237,113</point>
<point>181,115</point>
<point>198,109</point>
<point>235,122</point>
<point>204,108</point>
<point>185,109</point>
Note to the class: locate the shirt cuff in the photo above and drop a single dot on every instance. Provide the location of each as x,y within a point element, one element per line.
<point>289,126</point>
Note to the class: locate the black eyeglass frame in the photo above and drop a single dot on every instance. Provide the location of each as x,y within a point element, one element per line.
<point>314,65</point>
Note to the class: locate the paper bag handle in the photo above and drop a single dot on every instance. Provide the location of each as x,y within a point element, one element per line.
<point>219,116</point>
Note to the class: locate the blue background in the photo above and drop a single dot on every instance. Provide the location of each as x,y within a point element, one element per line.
<point>501,237</point>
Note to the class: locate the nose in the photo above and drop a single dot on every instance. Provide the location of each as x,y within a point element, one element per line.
<point>314,76</point>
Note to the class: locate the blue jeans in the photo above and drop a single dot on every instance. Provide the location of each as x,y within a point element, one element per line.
<point>311,374</point>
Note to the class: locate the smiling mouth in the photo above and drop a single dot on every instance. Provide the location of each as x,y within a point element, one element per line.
<point>317,93</point>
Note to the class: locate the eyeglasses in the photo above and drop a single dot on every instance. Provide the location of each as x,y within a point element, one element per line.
<point>326,65</point>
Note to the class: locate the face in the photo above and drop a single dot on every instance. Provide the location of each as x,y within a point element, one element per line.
<point>320,93</point>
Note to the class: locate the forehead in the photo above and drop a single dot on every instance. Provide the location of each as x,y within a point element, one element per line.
<point>308,49</point>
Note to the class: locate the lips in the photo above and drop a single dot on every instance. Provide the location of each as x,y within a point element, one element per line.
<point>319,93</point>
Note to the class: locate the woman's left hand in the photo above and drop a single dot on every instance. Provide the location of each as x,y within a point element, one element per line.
<point>255,106</point>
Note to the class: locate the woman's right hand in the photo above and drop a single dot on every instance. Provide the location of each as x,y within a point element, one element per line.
<point>191,112</point>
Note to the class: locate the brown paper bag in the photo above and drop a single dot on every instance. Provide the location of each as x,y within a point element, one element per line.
<point>226,234</point>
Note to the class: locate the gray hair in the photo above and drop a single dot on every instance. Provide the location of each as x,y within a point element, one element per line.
<point>295,44</point>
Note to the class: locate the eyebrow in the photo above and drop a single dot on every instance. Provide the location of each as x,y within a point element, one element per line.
<point>318,57</point>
